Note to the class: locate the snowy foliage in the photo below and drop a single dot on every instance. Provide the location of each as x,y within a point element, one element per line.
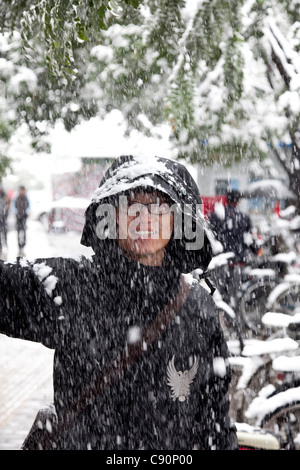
<point>224,75</point>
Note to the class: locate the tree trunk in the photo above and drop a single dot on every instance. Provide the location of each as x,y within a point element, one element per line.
<point>291,165</point>
<point>282,55</point>
<point>294,172</point>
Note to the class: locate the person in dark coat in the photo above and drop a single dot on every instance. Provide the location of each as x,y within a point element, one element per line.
<point>98,313</point>
<point>22,209</point>
<point>4,209</point>
<point>233,228</point>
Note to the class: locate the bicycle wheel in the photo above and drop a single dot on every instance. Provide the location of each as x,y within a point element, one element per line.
<point>252,305</point>
<point>285,424</point>
<point>287,300</point>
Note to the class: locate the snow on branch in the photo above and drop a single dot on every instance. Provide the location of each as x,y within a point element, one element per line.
<point>283,55</point>
<point>182,44</point>
<point>292,57</point>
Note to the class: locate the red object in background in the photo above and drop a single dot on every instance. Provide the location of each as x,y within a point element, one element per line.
<point>208,203</point>
<point>11,193</point>
<point>276,209</point>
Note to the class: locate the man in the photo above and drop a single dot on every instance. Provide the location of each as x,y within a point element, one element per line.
<point>4,208</point>
<point>233,228</point>
<point>140,358</point>
<point>22,211</point>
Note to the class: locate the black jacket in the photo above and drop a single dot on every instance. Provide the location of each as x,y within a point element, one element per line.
<point>22,206</point>
<point>234,231</point>
<point>87,309</point>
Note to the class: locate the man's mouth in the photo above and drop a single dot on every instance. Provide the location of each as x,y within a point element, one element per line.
<point>144,233</point>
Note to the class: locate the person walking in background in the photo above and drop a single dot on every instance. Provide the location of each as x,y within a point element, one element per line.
<point>22,210</point>
<point>4,208</point>
<point>233,228</point>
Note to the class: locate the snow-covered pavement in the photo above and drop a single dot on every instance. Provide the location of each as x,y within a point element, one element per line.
<point>26,367</point>
<point>42,244</point>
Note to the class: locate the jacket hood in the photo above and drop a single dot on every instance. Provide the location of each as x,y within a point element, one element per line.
<point>168,176</point>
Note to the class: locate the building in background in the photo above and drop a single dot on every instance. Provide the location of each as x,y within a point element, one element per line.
<point>214,180</point>
<point>72,193</point>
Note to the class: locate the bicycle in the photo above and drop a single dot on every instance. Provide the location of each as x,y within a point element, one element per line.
<point>277,410</point>
<point>253,370</point>
<point>259,282</point>
<point>244,289</point>
<point>279,413</point>
<point>285,297</point>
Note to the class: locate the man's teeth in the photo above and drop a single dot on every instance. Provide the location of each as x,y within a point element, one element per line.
<point>143,232</point>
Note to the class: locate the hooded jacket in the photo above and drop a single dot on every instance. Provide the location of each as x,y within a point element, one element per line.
<point>174,395</point>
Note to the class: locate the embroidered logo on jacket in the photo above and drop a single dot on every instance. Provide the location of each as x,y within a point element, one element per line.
<point>180,381</point>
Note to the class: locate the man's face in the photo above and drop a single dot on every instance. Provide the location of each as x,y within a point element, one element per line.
<point>145,226</point>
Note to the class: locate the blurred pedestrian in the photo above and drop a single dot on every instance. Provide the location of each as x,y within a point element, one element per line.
<point>22,210</point>
<point>233,228</point>
<point>4,209</point>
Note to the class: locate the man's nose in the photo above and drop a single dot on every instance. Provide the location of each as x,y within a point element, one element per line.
<point>144,214</point>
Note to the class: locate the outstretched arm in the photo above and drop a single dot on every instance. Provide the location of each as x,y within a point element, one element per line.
<point>26,308</point>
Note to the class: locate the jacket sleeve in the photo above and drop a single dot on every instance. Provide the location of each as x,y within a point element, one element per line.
<point>222,431</point>
<point>219,431</point>
<point>215,224</point>
<point>27,307</point>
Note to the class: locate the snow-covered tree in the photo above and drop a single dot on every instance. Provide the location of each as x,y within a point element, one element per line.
<point>281,50</point>
<point>59,24</point>
<point>205,66</point>
<point>223,73</point>
<point>41,46</point>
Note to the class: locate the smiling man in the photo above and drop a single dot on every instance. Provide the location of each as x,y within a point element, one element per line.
<point>170,395</point>
<point>145,225</point>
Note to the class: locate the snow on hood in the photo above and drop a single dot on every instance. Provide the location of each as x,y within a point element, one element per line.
<point>130,174</point>
<point>168,176</point>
